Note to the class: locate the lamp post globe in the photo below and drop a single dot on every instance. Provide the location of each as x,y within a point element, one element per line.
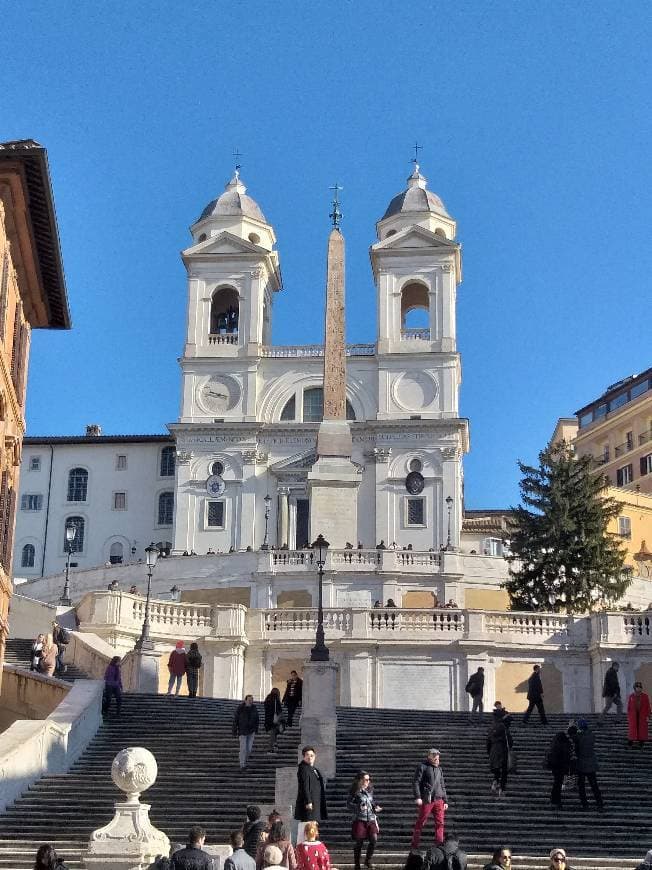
<point>320,653</point>
<point>151,556</point>
<point>71,532</point>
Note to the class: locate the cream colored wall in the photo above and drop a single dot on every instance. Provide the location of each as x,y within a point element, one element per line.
<point>486,599</point>
<point>417,598</point>
<point>28,695</point>
<point>294,598</point>
<point>223,595</point>
<point>511,687</point>
<point>638,507</point>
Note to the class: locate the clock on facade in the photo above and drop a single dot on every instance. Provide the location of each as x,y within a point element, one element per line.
<point>215,486</point>
<point>219,394</point>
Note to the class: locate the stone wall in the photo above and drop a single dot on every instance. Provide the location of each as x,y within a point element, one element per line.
<point>28,695</point>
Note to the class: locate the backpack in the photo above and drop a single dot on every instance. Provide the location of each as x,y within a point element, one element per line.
<point>64,636</point>
<point>194,659</point>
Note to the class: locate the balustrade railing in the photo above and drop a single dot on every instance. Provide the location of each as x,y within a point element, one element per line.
<point>637,626</point>
<point>644,437</point>
<point>411,334</point>
<point>162,613</point>
<point>304,620</point>
<point>541,624</point>
<point>414,561</point>
<point>223,338</point>
<point>389,619</point>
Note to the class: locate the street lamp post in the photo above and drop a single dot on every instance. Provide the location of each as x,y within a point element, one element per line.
<point>319,653</point>
<point>151,555</point>
<point>449,504</point>
<point>71,531</point>
<point>268,501</point>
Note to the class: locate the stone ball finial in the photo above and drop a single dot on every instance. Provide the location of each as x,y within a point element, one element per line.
<point>134,770</point>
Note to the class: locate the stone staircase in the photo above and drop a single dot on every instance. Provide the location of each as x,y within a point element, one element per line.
<point>199,782</point>
<point>17,652</point>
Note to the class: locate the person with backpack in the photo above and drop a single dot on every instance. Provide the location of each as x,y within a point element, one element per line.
<point>61,639</point>
<point>448,856</point>
<point>558,761</point>
<point>193,664</point>
<point>475,688</point>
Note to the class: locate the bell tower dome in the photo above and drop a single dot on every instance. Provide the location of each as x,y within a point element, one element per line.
<point>416,205</point>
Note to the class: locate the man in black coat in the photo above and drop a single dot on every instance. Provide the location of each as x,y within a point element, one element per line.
<point>430,797</point>
<point>245,726</point>
<point>311,792</point>
<point>535,696</point>
<point>193,856</point>
<point>293,695</point>
<point>611,689</point>
<point>587,763</point>
<point>558,761</point>
<point>475,688</point>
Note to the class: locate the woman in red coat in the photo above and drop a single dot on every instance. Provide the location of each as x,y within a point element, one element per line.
<point>638,713</point>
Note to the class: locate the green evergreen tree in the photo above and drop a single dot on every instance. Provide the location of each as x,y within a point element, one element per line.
<point>562,556</point>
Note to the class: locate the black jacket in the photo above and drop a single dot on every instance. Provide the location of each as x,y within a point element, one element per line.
<point>499,741</point>
<point>475,685</point>
<point>191,858</point>
<point>585,751</point>
<point>558,756</point>
<point>311,790</point>
<point>611,685</point>
<point>534,687</point>
<point>293,692</point>
<point>272,708</point>
<point>428,783</point>
<point>448,856</point>
<point>245,720</point>
<point>252,832</point>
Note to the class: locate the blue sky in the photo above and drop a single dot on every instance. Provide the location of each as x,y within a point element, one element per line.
<point>535,121</point>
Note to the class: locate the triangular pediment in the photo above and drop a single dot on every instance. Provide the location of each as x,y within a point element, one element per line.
<point>225,243</point>
<point>294,463</point>
<point>415,237</point>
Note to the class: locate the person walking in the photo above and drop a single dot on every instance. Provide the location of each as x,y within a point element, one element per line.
<point>277,836</point>
<point>36,653</point>
<point>48,660</point>
<point>245,727</point>
<point>177,665</point>
<point>47,859</point>
<point>254,830</point>
<point>587,763</point>
<point>312,854</point>
<point>274,722</point>
<point>638,714</point>
<point>293,695</point>
<point>430,796</point>
<point>475,688</point>
<point>499,742</point>
<point>193,856</point>
<point>61,639</point>
<point>611,690</point>
<point>558,761</point>
<point>112,686</point>
<point>365,821</point>
<point>535,696</point>
<point>193,664</point>
<point>500,860</point>
<point>240,859</point>
<point>310,804</point>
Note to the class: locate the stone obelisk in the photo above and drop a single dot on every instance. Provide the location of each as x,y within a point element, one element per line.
<point>334,479</point>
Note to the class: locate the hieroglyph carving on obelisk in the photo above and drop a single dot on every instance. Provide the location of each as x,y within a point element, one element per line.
<point>334,342</point>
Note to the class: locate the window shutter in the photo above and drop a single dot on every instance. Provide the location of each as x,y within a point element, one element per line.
<point>619,477</point>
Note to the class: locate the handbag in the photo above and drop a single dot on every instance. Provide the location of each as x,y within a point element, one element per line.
<point>512,760</point>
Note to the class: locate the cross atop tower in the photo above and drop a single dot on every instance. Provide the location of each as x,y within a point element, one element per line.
<point>236,156</point>
<point>415,159</point>
<point>336,215</point>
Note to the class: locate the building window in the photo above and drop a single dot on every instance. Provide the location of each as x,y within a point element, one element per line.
<point>34,463</point>
<point>165,508</point>
<point>492,547</point>
<point>119,501</point>
<point>77,545</point>
<point>625,527</point>
<point>116,553</point>
<point>121,462</point>
<point>646,464</point>
<point>217,468</point>
<point>28,556</point>
<point>215,514</point>
<point>289,411</point>
<point>167,461</point>
<point>313,406</point>
<point>625,475</point>
<point>629,440</point>
<point>77,484</point>
<point>30,502</point>
<point>416,512</point>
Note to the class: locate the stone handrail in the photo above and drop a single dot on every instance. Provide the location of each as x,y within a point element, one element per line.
<point>89,653</point>
<point>405,561</point>
<point>622,628</point>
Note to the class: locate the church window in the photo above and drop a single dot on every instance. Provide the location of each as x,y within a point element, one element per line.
<point>416,465</point>
<point>77,543</point>
<point>289,411</point>
<point>416,512</point>
<point>217,468</point>
<point>31,502</point>
<point>225,307</point>
<point>415,306</point>
<point>165,508</point>
<point>119,501</point>
<point>215,514</point>
<point>313,406</point>
<point>116,553</point>
<point>121,462</point>
<point>77,484</point>
<point>27,556</point>
<point>254,238</point>
<point>168,456</point>
<point>202,237</point>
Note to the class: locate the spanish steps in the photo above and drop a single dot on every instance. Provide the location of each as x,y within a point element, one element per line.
<point>199,782</point>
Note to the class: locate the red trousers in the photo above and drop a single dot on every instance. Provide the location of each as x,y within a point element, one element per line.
<point>436,807</point>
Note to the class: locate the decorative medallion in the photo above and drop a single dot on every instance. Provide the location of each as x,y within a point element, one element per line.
<point>215,486</point>
<point>414,482</point>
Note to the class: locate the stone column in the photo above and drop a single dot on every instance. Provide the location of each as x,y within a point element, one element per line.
<point>318,718</point>
<point>142,671</point>
<point>283,515</point>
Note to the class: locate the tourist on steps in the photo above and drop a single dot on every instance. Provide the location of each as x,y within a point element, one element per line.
<point>310,805</point>
<point>558,860</point>
<point>112,686</point>
<point>535,696</point>
<point>312,854</point>
<point>254,830</point>
<point>638,713</point>
<point>611,690</point>
<point>365,822</point>
<point>245,728</point>
<point>499,742</point>
<point>430,797</point>
<point>61,639</point>
<point>272,858</point>
<point>274,721</point>
<point>193,664</point>
<point>277,836</point>
<point>177,665</point>
<point>501,859</point>
<point>48,661</point>
<point>293,695</point>
<point>448,856</point>
<point>558,761</point>
<point>240,859</point>
<point>47,859</point>
<point>587,763</point>
<point>36,653</point>
<point>475,688</point>
<point>193,856</point>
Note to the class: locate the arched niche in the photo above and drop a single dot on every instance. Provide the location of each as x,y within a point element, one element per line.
<point>415,304</point>
<point>225,311</point>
